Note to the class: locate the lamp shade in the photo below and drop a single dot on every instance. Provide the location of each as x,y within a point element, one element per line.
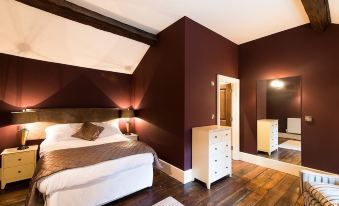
<point>127,113</point>
<point>24,117</point>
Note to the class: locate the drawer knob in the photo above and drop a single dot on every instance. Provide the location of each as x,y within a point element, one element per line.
<point>215,137</point>
<point>215,148</point>
<point>215,160</point>
<point>226,156</point>
<point>19,171</point>
<point>226,167</point>
<point>227,145</point>
<point>19,159</point>
<point>226,134</point>
<point>215,172</point>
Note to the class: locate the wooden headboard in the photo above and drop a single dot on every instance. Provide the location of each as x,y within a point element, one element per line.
<point>48,117</point>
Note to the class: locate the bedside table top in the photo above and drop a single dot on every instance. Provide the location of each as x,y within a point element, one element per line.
<point>132,134</point>
<point>15,150</point>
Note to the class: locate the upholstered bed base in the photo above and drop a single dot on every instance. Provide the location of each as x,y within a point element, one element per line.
<point>105,190</point>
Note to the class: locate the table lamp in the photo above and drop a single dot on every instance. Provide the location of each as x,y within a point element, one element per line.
<point>127,113</point>
<point>22,118</point>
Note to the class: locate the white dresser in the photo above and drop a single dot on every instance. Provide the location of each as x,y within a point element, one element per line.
<point>267,135</point>
<point>18,164</point>
<point>211,153</point>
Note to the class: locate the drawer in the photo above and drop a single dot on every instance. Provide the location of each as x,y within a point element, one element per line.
<point>275,124</point>
<point>217,174</point>
<point>219,148</point>
<point>219,162</point>
<point>18,173</point>
<point>219,166</point>
<point>274,141</point>
<point>274,147</point>
<point>17,159</point>
<point>219,136</point>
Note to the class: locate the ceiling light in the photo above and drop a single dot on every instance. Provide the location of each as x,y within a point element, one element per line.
<point>277,84</point>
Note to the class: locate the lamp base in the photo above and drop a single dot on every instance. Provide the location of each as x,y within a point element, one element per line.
<point>22,147</point>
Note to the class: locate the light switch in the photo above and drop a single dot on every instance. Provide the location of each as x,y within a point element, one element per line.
<point>308,118</point>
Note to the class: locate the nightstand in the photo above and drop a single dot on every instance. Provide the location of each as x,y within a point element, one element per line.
<point>132,136</point>
<point>17,164</point>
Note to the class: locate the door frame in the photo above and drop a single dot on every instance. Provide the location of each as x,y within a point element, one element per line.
<point>235,111</point>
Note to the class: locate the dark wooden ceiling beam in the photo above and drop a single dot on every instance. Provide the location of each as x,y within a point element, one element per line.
<point>318,12</point>
<point>82,15</point>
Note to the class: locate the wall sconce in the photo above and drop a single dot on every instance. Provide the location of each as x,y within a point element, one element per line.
<point>22,118</point>
<point>127,113</point>
<point>277,83</point>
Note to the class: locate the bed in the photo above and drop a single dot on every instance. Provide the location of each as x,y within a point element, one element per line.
<point>96,184</point>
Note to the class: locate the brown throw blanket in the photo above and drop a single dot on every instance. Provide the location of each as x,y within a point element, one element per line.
<point>59,160</point>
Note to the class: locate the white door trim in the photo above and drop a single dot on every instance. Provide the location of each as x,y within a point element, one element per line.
<point>235,111</point>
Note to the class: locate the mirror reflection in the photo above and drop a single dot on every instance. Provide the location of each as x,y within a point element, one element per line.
<point>279,119</point>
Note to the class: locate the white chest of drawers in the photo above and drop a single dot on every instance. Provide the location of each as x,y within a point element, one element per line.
<point>211,153</point>
<point>267,135</point>
<point>17,164</point>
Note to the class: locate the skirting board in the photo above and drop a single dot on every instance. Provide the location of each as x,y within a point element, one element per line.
<point>186,176</point>
<point>276,165</point>
<point>178,174</point>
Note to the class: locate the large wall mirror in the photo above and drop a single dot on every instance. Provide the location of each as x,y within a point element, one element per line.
<point>279,119</point>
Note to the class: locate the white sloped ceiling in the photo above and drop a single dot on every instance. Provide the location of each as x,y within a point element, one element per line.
<point>238,20</point>
<point>32,33</point>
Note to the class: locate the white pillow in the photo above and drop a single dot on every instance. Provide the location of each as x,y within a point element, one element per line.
<point>59,132</point>
<point>110,129</point>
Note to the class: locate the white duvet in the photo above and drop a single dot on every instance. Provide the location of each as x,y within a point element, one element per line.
<point>80,177</point>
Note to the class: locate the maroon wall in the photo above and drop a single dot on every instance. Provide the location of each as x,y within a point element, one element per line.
<point>38,84</point>
<point>206,55</point>
<point>284,103</point>
<point>297,52</point>
<point>172,86</point>
<point>262,100</point>
<point>158,84</point>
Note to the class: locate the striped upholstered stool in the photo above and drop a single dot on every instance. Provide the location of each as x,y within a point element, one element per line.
<point>319,189</point>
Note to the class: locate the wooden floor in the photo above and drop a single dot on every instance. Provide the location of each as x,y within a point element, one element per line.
<point>249,185</point>
<point>284,155</point>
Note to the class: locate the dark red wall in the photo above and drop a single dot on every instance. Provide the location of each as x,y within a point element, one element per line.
<point>38,84</point>
<point>313,56</point>
<point>284,103</point>
<point>159,88</point>
<point>262,100</point>
<point>173,90</point>
<point>206,55</point>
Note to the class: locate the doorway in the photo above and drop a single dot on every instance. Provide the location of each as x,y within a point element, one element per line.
<point>232,108</point>
<point>226,104</point>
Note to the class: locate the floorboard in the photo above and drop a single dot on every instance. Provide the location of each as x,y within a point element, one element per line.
<point>250,185</point>
<point>284,155</point>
